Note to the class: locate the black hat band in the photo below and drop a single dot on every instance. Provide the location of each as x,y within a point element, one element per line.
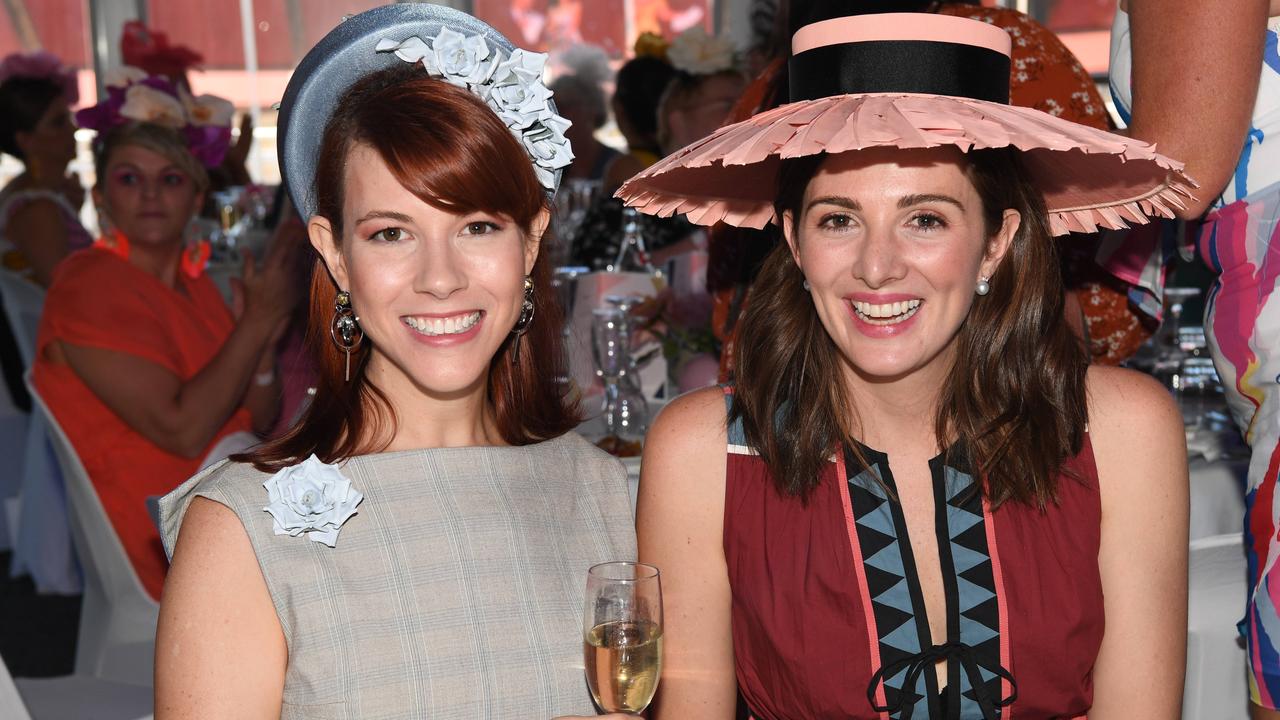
<point>900,66</point>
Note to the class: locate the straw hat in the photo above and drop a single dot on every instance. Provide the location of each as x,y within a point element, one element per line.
<point>909,80</point>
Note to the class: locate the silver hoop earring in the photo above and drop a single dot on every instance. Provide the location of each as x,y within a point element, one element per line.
<point>526,316</point>
<point>807,286</point>
<point>345,329</point>
<point>983,287</point>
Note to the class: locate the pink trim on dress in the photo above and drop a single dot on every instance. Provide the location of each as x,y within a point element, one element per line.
<point>998,575</point>
<point>873,633</point>
<point>901,26</point>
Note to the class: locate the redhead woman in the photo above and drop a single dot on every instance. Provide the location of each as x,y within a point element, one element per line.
<point>918,501</point>
<point>418,545</point>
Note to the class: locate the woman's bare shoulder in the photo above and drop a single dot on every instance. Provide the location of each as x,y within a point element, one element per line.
<point>1137,433</point>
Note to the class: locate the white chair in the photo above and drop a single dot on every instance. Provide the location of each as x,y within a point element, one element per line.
<point>23,303</point>
<point>72,696</point>
<point>1215,685</point>
<point>116,640</point>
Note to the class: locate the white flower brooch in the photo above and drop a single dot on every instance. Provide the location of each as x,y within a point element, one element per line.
<point>511,86</point>
<point>311,497</point>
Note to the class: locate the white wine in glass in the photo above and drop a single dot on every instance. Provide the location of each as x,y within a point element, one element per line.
<point>622,628</point>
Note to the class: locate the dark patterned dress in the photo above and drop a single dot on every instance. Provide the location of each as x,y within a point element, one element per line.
<point>828,614</point>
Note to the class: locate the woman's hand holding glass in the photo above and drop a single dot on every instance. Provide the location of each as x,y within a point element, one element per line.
<point>622,635</point>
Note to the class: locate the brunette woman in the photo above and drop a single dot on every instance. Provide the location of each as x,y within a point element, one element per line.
<point>429,524</point>
<point>918,501</point>
<point>39,209</point>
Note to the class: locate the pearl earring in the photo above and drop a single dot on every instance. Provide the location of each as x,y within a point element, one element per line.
<point>807,286</point>
<point>983,287</point>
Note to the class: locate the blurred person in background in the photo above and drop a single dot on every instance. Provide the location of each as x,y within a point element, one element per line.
<point>703,92</point>
<point>40,208</point>
<point>1204,85</point>
<point>138,357</point>
<point>638,88</point>
<point>150,50</point>
<point>703,85</point>
<point>581,102</point>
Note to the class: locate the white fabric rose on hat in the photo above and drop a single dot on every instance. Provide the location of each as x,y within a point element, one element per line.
<point>548,146</point>
<point>311,497</point>
<point>463,61</point>
<point>511,86</point>
<point>518,94</point>
<point>697,53</point>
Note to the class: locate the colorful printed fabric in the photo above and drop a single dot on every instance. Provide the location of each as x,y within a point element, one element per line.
<point>1242,324</point>
<point>1240,240</point>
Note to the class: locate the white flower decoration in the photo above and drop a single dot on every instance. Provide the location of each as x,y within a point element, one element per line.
<point>207,110</point>
<point>518,95</point>
<point>147,104</point>
<point>313,498</point>
<point>511,86</point>
<point>463,61</point>
<point>124,76</point>
<point>697,53</point>
<point>548,147</point>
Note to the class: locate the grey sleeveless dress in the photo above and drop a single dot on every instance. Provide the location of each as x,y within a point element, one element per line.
<point>455,592</point>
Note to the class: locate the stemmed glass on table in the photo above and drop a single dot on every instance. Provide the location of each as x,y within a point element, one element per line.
<point>624,409</point>
<point>622,635</point>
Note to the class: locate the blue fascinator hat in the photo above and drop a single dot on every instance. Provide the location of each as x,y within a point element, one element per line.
<point>447,43</point>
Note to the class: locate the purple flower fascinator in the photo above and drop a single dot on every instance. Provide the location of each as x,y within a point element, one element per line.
<point>43,66</point>
<point>134,96</point>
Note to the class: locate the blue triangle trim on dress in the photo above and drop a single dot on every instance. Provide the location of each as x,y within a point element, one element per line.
<point>972,619</point>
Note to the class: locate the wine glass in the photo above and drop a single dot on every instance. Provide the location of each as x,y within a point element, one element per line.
<point>624,408</point>
<point>622,635</point>
<point>565,282</point>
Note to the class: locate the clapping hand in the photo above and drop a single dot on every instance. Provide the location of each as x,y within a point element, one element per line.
<point>269,292</point>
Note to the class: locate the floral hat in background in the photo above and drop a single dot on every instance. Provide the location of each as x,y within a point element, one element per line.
<point>135,96</point>
<point>150,50</point>
<point>697,53</point>
<point>41,65</point>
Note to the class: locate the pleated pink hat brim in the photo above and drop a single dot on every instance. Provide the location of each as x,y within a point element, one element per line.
<point>1090,179</point>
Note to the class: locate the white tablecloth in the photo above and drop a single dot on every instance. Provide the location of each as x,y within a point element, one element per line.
<point>1217,497</point>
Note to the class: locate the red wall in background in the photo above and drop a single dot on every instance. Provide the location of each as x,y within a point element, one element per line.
<point>212,28</point>
<point>61,27</point>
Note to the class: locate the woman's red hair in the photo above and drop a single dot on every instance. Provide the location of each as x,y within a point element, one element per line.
<point>448,148</point>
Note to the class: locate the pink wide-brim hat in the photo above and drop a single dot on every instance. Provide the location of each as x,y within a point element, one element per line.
<point>909,80</point>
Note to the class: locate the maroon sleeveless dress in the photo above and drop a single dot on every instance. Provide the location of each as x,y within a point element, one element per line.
<point>828,616</point>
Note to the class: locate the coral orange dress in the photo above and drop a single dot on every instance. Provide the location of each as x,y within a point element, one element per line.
<point>100,300</point>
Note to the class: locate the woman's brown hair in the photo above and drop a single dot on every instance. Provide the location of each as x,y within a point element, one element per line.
<point>1016,397</point>
<point>449,149</point>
